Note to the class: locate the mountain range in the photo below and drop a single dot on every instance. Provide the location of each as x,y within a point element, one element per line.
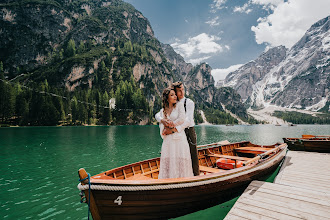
<point>87,48</point>
<point>90,51</point>
<point>296,78</point>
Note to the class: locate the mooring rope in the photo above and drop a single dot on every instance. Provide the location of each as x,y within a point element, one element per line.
<point>89,190</point>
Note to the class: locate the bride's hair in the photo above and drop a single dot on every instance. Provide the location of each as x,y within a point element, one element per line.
<point>166,92</point>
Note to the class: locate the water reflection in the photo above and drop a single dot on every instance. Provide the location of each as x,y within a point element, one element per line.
<point>111,140</point>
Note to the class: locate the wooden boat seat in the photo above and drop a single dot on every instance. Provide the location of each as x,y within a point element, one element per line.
<point>143,176</point>
<point>151,171</point>
<point>208,169</point>
<point>139,177</point>
<point>229,157</point>
<point>252,150</point>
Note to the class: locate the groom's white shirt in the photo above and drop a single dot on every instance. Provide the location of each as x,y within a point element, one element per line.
<point>189,120</point>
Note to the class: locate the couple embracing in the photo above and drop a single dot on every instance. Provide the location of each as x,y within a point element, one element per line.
<point>179,149</point>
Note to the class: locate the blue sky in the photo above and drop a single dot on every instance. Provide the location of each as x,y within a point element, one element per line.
<point>228,33</point>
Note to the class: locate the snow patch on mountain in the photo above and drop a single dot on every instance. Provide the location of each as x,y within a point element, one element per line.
<point>266,114</point>
<point>295,78</point>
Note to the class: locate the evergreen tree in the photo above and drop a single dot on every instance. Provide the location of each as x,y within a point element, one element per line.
<point>92,112</point>
<point>71,48</point>
<point>105,99</point>
<point>49,114</point>
<point>98,100</point>
<point>81,47</point>
<point>58,103</point>
<point>83,115</point>
<point>106,117</point>
<point>24,112</point>
<point>7,101</point>
<point>75,110</point>
<point>20,105</point>
<point>128,46</point>
<point>60,55</point>
<point>106,111</point>
<point>2,74</point>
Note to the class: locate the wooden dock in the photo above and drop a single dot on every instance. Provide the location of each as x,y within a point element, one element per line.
<point>301,190</point>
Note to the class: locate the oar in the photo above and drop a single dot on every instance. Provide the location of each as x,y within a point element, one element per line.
<point>260,156</point>
<point>217,143</point>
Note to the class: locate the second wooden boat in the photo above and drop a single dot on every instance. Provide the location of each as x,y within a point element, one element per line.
<point>309,143</point>
<point>321,145</point>
<point>135,192</point>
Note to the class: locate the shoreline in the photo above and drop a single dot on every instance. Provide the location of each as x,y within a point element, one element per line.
<point>201,124</point>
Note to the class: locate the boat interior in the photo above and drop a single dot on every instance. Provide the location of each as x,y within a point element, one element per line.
<point>309,137</point>
<point>241,153</point>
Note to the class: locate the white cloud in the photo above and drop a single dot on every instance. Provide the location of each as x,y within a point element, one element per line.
<point>213,22</point>
<point>220,74</point>
<point>200,44</point>
<point>244,9</point>
<point>267,2</point>
<point>217,5</point>
<point>288,21</point>
<point>198,60</point>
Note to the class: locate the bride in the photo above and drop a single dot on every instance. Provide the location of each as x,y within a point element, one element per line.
<point>175,160</point>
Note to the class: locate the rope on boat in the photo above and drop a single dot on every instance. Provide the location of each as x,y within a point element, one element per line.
<point>89,189</point>
<point>148,187</point>
<point>161,186</point>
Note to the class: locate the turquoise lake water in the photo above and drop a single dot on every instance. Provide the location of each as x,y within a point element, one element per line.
<point>39,164</point>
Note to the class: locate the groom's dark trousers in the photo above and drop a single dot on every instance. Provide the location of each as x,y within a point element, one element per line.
<point>192,141</point>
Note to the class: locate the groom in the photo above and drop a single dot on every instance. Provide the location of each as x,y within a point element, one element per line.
<point>188,125</point>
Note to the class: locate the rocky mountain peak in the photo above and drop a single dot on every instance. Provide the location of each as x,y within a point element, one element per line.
<point>295,78</point>
<point>247,75</point>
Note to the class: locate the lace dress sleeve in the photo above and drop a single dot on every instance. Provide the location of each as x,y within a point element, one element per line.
<point>161,126</point>
<point>181,114</point>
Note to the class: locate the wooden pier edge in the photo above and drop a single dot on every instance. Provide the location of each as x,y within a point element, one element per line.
<point>295,193</point>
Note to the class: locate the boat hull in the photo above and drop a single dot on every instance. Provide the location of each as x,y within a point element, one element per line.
<point>322,146</point>
<point>312,145</point>
<point>173,201</point>
<point>294,144</point>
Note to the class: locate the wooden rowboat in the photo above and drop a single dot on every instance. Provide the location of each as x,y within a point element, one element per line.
<point>309,143</point>
<point>294,144</point>
<point>321,145</point>
<point>135,192</point>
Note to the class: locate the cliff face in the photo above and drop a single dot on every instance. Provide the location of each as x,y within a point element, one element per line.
<point>305,73</point>
<point>31,30</point>
<point>295,78</point>
<point>243,79</point>
<point>87,44</point>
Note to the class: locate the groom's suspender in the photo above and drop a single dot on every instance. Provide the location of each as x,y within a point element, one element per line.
<point>185,104</point>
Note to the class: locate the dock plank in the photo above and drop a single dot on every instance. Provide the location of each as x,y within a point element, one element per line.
<point>291,203</point>
<point>272,213</point>
<point>306,180</point>
<point>276,193</point>
<point>284,209</point>
<point>306,175</point>
<point>301,190</point>
<point>247,214</point>
<point>306,186</point>
<point>292,190</point>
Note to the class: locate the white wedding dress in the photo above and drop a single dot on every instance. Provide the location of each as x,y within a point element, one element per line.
<point>175,160</point>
